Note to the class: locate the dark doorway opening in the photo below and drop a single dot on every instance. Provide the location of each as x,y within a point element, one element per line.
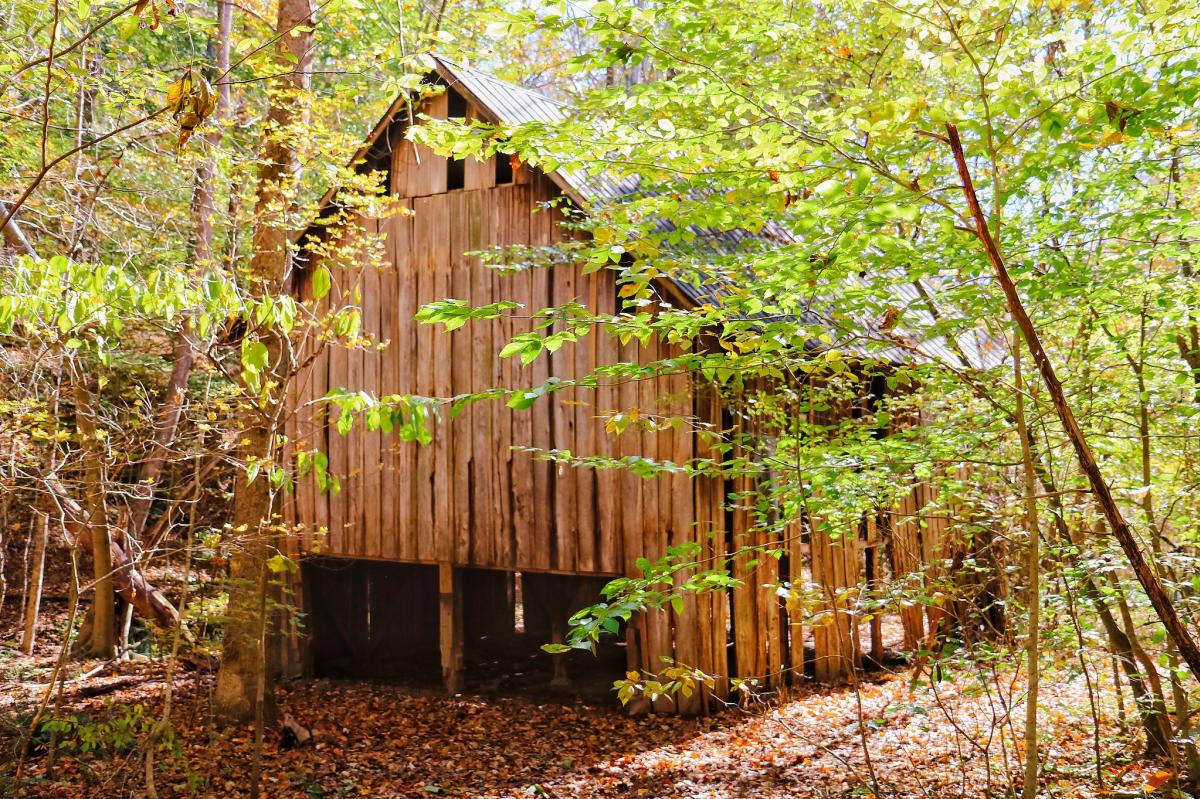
<point>510,616</point>
<point>377,620</point>
<point>373,620</point>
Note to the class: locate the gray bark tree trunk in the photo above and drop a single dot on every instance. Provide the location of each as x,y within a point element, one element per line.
<point>37,570</point>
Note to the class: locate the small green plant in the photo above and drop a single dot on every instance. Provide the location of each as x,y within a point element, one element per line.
<point>117,733</point>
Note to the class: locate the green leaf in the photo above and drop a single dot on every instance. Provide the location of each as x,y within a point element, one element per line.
<point>254,356</point>
<point>512,348</point>
<point>827,188</point>
<point>280,563</point>
<point>321,282</point>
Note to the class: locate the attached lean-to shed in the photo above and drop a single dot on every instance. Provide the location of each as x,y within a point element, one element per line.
<point>418,554</point>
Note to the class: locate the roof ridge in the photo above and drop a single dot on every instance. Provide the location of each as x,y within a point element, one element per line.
<point>454,66</point>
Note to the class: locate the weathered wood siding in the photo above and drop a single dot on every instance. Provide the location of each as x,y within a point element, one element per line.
<point>469,498</point>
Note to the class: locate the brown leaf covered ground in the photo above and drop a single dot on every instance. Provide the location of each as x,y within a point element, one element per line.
<point>383,740</point>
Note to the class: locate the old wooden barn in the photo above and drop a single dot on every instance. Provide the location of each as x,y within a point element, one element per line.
<point>424,543</point>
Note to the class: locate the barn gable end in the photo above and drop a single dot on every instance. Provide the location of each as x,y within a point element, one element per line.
<point>475,498</point>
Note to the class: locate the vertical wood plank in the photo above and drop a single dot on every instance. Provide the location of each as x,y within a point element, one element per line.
<point>462,439</point>
<point>404,356</point>
<point>300,428</point>
<point>608,522</point>
<point>320,441</point>
<point>795,620</point>
<point>401,542</point>
<point>874,584</point>
<point>386,361</point>
<point>656,507</point>
<point>483,522</point>
<point>369,480</point>
<point>442,482</point>
<point>585,444</point>
<point>742,599</point>
<point>566,533</point>
<point>686,625</point>
<point>352,487</point>
<point>524,499</point>
<point>705,534</point>
<point>341,292</point>
<point>503,214</point>
<point>544,487</point>
<point>626,444</point>
<point>719,554</point>
<point>424,280</point>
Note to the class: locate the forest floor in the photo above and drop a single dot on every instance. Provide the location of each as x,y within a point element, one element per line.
<point>385,740</point>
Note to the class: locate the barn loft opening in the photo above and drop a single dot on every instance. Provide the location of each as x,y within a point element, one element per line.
<point>456,105</point>
<point>378,158</point>
<point>456,173</point>
<point>504,169</point>
<point>456,168</point>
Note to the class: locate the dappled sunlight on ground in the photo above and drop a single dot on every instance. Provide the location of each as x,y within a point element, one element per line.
<point>375,739</point>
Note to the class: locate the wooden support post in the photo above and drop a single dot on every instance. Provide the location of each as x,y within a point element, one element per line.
<point>906,560</point>
<point>451,626</point>
<point>834,569</point>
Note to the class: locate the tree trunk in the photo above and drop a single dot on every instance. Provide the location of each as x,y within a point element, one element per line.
<point>1162,604</point>
<point>130,584</point>
<point>33,596</point>
<point>13,236</point>
<point>1179,695</point>
<point>104,623</point>
<point>1146,690</point>
<point>243,686</point>
<point>1029,789</point>
<point>166,424</point>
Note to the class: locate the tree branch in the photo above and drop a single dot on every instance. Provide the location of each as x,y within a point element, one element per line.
<point>1087,461</point>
